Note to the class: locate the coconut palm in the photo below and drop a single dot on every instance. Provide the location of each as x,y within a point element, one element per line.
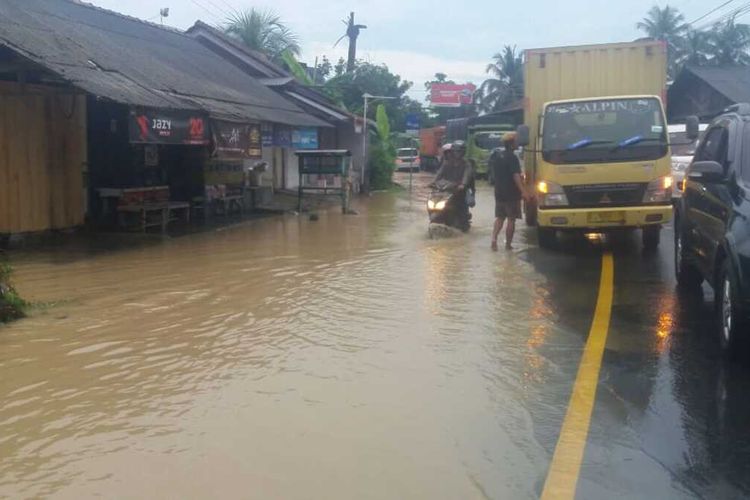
<point>263,31</point>
<point>666,24</point>
<point>695,48</point>
<point>505,84</point>
<point>730,43</point>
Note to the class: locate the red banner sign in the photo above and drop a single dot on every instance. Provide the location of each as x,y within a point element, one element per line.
<point>451,95</point>
<point>163,127</point>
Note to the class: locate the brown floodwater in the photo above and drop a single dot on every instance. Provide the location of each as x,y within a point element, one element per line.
<point>350,357</point>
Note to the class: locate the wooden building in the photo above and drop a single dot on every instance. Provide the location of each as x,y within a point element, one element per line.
<point>42,157</point>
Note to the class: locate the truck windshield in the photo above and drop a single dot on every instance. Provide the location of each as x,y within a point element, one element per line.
<point>488,140</point>
<point>610,130</point>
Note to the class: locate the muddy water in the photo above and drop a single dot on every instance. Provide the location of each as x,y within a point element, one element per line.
<point>345,358</point>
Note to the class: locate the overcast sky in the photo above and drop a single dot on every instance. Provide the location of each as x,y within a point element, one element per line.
<point>417,38</point>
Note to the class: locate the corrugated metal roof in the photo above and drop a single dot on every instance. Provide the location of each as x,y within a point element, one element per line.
<point>138,63</point>
<point>733,82</point>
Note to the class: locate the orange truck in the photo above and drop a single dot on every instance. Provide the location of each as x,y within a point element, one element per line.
<point>430,142</point>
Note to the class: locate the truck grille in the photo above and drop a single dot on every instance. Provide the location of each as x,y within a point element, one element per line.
<point>599,195</point>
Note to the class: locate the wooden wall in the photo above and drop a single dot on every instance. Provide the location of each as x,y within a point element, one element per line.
<point>42,158</point>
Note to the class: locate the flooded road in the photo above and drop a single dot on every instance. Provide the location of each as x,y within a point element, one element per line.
<point>352,357</point>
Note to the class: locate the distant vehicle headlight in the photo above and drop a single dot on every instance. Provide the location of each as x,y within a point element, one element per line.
<point>440,205</point>
<point>430,204</point>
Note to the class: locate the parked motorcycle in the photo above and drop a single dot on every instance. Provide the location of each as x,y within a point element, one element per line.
<point>447,205</point>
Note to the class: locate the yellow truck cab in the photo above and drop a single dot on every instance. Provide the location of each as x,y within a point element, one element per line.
<point>598,154</point>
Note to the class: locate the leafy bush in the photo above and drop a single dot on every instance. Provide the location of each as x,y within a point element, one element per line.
<point>382,153</point>
<point>11,305</point>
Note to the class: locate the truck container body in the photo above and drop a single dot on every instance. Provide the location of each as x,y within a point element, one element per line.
<point>430,144</point>
<point>598,156</point>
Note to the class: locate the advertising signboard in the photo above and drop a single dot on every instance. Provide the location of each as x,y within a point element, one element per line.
<point>451,95</point>
<point>237,140</point>
<point>165,127</point>
<point>305,138</point>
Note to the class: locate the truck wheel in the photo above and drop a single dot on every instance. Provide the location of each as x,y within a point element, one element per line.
<point>547,237</point>
<point>729,315</point>
<point>530,213</point>
<point>651,237</point>
<point>688,277</point>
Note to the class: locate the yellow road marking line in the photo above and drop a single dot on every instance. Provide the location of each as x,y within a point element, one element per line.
<point>562,477</point>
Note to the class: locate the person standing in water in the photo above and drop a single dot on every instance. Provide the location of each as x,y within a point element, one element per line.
<point>509,189</point>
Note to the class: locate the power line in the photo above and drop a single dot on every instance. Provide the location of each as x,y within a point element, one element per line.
<point>209,11</point>
<point>711,12</point>
<point>741,10</point>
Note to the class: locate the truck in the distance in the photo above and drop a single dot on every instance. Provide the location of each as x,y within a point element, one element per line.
<point>597,145</point>
<point>430,143</point>
<point>482,135</point>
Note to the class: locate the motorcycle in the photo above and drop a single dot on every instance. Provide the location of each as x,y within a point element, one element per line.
<point>447,205</point>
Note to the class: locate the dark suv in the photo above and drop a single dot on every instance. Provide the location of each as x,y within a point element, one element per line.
<point>712,222</point>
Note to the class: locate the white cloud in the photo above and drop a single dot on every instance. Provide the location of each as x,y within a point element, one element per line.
<point>413,66</point>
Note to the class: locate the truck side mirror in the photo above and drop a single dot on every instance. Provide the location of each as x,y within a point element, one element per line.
<point>522,135</point>
<point>692,128</point>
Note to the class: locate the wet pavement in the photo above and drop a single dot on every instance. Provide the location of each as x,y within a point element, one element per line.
<point>353,357</point>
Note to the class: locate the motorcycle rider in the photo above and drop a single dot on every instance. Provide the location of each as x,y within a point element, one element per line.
<point>455,169</point>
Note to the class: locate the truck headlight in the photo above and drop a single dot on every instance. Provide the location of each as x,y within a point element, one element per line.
<point>659,190</point>
<point>551,194</point>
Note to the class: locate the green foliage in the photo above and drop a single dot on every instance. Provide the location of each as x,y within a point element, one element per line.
<point>295,68</point>
<point>12,306</point>
<point>382,153</point>
<point>505,84</point>
<point>263,31</point>
<point>719,42</point>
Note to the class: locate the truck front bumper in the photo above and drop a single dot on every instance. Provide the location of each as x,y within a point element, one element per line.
<point>604,218</point>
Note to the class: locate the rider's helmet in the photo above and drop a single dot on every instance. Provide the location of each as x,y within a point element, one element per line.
<point>447,147</point>
<point>459,146</point>
<point>509,138</point>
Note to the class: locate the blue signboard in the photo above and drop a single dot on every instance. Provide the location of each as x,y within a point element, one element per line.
<point>282,137</point>
<point>266,131</point>
<point>412,121</point>
<point>305,138</point>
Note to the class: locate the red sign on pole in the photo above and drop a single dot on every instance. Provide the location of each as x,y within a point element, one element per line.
<point>451,95</point>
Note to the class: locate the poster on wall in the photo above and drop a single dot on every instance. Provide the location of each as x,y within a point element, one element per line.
<point>236,140</point>
<point>266,130</point>
<point>282,137</point>
<point>166,127</point>
<point>305,138</point>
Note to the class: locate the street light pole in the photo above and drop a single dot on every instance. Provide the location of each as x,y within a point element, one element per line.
<point>365,179</point>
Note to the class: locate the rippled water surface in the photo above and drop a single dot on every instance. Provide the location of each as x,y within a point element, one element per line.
<point>350,357</point>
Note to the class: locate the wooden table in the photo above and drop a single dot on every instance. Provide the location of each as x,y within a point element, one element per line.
<point>154,214</point>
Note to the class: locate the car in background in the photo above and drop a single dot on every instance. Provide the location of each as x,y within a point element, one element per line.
<point>712,224</point>
<point>683,150</point>
<point>408,159</point>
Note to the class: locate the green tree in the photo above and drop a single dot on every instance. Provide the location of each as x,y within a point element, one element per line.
<point>505,84</point>
<point>668,25</point>
<point>730,43</point>
<point>695,48</point>
<point>382,153</point>
<point>263,31</point>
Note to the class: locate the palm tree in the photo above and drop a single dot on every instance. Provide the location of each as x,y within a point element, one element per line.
<point>505,84</point>
<point>695,48</point>
<point>666,24</point>
<point>730,43</point>
<point>263,31</point>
